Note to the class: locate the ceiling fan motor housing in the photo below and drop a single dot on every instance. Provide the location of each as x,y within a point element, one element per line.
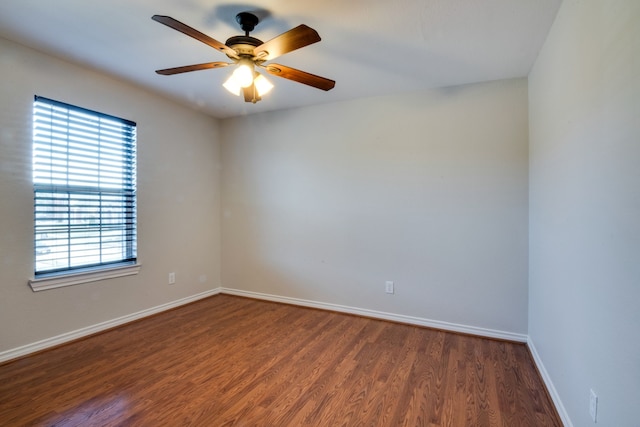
<point>243,45</point>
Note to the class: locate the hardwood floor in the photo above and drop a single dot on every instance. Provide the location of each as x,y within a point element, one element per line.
<point>231,361</point>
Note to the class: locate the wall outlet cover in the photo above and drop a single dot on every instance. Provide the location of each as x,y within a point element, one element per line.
<point>388,287</point>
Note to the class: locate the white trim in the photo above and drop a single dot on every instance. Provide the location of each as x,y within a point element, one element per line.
<point>454,327</point>
<point>89,330</point>
<point>564,416</point>
<point>59,281</point>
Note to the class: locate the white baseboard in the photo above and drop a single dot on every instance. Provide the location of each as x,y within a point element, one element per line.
<point>454,327</point>
<point>564,416</point>
<point>89,330</point>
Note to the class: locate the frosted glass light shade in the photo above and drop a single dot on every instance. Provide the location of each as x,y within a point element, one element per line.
<point>232,86</point>
<point>243,75</point>
<point>263,86</point>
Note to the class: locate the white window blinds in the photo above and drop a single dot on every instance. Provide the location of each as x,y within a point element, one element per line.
<point>84,175</point>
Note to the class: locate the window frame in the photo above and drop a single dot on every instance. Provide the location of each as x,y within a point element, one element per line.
<point>91,193</point>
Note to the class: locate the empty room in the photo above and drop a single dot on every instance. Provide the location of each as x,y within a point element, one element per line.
<point>416,213</point>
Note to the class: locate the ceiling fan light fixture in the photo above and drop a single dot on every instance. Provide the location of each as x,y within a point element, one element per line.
<point>263,86</point>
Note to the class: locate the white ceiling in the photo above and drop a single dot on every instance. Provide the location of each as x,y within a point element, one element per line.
<point>369,47</point>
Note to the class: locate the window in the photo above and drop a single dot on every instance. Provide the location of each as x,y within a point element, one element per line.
<point>84,177</point>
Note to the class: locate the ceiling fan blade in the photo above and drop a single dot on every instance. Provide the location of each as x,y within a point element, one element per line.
<point>185,29</point>
<point>300,76</point>
<point>250,94</point>
<point>188,68</point>
<point>293,39</point>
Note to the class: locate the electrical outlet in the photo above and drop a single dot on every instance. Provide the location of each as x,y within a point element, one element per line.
<point>388,287</point>
<point>593,405</point>
<point>172,278</point>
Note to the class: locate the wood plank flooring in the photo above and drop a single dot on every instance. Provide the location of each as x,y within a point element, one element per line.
<point>231,361</point>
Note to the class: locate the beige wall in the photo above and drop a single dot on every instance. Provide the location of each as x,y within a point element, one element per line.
<point>178,200</point>
<point>585,209</point>
<point>429,190</point>
<point>323,203</point>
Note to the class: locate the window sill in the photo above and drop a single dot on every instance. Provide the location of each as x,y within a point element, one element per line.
<point>59,281</point>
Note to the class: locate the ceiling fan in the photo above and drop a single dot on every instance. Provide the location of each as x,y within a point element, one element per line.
<point>247,53</point>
